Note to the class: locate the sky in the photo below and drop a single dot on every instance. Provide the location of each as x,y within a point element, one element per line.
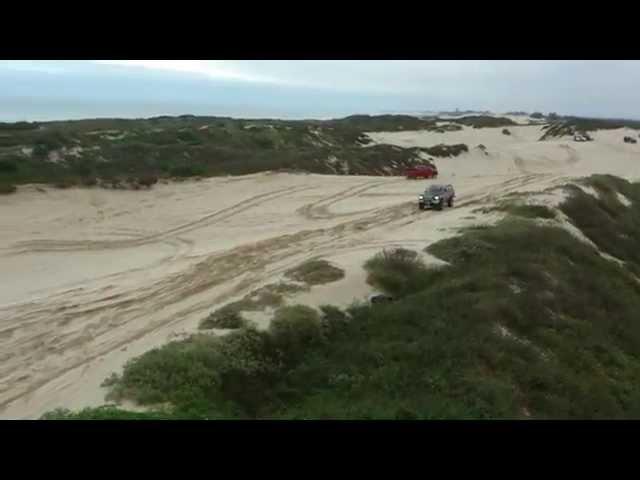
<point>52,90</point>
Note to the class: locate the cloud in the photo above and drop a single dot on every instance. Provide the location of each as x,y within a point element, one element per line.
<point>602,87</point>
<point>215,69</point>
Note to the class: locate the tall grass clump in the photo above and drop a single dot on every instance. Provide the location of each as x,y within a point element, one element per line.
<point>397,271</point>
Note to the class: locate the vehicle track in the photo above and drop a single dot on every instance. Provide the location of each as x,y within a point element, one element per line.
<point>41,246</point>
<point>319,210</point>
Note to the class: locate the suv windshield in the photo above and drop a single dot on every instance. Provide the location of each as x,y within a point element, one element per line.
<point>434,190</point>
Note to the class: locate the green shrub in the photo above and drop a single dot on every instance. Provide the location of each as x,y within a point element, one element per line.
<point>89,181</point>
<point>187,171</point>
<point>188,137</point>
<point>483,121</point>
<point>148,180</point>
<point>107,413</point>
<point>7,166</point>
<point>333,320</point>
<point>445,150</point>
<point>316,272</point>
<point>264,142</point>
<point>527,211</point>
<point>19,126</point>
<point>295,328</point>
<point>66,183</point>
<point>397,272</point>
<point>225,317</point>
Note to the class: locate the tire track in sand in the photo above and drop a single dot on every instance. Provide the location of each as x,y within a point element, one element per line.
<point>41,246</point>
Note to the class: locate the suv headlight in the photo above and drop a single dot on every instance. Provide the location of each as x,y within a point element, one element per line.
<point>421,197</point>
<point>436,198</point>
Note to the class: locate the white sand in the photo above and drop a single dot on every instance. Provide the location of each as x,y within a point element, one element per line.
<point>91,278</point>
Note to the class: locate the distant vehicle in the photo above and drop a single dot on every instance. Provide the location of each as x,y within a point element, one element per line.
<point>436,196</point>
<point>422,171</point>
<point>582,137</point>
<point>380,298</point>
<point>630,140</point>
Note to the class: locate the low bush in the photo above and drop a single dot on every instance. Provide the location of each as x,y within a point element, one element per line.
<point>187,171</point>
<point>333,320</point>
<point>148,180</point>
<point>295,328</point>
<point>397,272</point>
<point>89,181</point>
<point>108,413</point>
<point>443,150</point>
<point>225,317</point>
<point>316,272</point>
<point>66,183</point>
<point>484,121</point>
<point>7,166</point>
<point>527,211</point>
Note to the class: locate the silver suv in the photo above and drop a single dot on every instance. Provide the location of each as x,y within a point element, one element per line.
<point>436,196</point>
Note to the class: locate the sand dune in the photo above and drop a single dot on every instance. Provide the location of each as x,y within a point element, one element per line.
<point>91,278</point>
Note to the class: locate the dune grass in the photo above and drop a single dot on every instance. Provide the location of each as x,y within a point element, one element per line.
<point>315,272</point>
<point>115,150</point>
<point>517,208</point>
<point>227,317</point>
<point>269,296</point>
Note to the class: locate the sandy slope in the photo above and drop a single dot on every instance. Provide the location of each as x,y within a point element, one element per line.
<point>91,278</point>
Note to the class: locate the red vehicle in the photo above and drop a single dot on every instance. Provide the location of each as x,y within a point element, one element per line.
<point>422,171</point>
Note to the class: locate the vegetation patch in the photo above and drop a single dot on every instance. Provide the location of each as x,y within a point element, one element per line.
<point>484,121</point>
<point>228,317</point>
<point>236,376</point>
<point>269,296</point>
<point>572,125</point>
<point>109,412</point>
<point>116,152</point>
<point>443,150</point>
<point>606,221</point>
<point>524,210</point>
<point>316,272</point>
<point>397,271</point>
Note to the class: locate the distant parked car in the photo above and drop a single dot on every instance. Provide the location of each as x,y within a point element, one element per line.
<point>630,140</point>
<point>380,298</point>
<point>582,137</point>
<point>422,171</point>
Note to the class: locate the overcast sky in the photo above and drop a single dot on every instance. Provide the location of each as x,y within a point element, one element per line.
<point>42,90</point>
